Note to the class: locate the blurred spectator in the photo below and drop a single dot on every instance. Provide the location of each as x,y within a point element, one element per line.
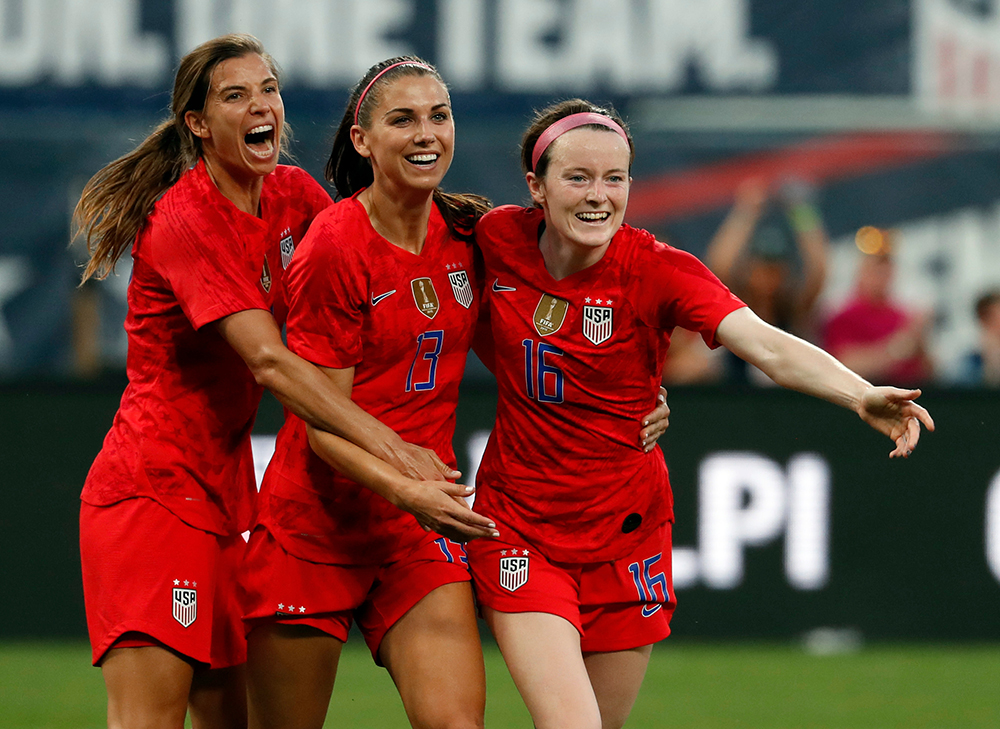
<point>874,335</point>
<point>690,361</point>
<point>982,366</point>
<point>774,257</point>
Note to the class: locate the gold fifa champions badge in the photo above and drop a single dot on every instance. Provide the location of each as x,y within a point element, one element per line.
<point>265,277</point>
<point>549,314</point>
<point>425,297</point>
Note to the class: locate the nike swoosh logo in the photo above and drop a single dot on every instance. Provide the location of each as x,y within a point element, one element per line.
<point>648,610</point>
<point>376,299</point>
<point>497,287</point>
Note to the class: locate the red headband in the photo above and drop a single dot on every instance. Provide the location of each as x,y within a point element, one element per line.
<point>557,129</point>
<point>379,75</point>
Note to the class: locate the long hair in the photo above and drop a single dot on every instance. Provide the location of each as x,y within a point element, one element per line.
<point>550,115</point>
<point>350,172</point>
<point>117,200</point>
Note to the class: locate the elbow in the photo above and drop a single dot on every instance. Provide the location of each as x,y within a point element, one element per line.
<point>265,365</point>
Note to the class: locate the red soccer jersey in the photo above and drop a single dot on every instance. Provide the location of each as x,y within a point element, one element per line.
<point>405,323</point>
<point>182,432</point>
<point>578,363</point>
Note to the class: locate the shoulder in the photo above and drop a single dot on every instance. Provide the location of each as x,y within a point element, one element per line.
<point>340,230</point>
<point>507,225</point>
<point>645,249</point>
<point>298,186</point>
<point>187,209</point>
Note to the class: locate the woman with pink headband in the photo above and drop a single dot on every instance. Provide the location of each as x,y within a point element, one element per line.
<point>383,296</point>
<point>578,587</point>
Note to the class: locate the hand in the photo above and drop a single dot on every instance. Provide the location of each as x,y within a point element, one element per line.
<point>421,464</point>
<point>893,412</point>
<point>439,506</point>
<point>655,423</point>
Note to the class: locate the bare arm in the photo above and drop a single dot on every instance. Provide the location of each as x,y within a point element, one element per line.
<point>798,365</point>
<point>733,236</point>
<point>438,506</point>
<point>812,241</point>
<point>306,391</point>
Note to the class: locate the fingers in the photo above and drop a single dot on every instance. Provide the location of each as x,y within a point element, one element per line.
<point>655,423</point>
<point>447,471</point>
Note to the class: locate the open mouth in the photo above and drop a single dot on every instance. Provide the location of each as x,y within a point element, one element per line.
<point>260,140</point>
<point>425,159</point>
<point>593,217</point>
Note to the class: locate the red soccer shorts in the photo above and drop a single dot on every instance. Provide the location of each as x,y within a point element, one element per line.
<point>281,588</point>
<point>146,571</point>
<point>615,605</point>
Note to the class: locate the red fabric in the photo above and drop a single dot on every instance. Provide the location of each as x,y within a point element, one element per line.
<point>615,605</point>
<point>408,367</point>
<point>135,553</point>
<point>863,322</point>
<point>182,433</point>
<point>565,467</point>
<point>281,588</point>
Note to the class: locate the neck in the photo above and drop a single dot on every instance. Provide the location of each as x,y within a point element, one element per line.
<point>564,258</point>
<point>244,194</point>
<point>401,217</point>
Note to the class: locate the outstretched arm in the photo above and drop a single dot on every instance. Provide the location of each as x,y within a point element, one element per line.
<point>302,388</point>
<point>437,506</point>
<point>798,365</point>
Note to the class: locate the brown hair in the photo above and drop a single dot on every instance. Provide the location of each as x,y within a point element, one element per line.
<point>117,200</point>
<point>350,172</point>
<point>550,115</point>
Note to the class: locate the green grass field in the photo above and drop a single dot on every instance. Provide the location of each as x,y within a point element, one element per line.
<point>49,685</point>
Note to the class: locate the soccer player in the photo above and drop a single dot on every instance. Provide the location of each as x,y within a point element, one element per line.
<point>213,221</point>
<point>384,295</point>
<point>578,586</point>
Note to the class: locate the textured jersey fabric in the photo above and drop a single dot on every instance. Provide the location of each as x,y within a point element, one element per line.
<point>578,364</point>
<point>405,323</point>
<point>182,431</point>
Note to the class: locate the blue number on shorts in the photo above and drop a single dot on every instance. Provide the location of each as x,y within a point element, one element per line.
<point>646,584</point>
<point>434,341</point>
<point>538,372</point>
<point>447,547</point>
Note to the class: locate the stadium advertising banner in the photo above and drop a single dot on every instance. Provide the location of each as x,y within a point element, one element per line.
<point>790,517</point>
<point>888,109</point>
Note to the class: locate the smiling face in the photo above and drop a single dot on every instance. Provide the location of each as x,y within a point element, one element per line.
<point>240,126</point>
<point>411,138</point>
<point>584,192</point>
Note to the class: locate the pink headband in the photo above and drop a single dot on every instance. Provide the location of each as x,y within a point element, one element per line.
<point>572,121</point>
<point>379,75</point>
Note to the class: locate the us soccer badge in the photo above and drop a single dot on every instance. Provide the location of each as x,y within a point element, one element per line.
<point>514,571</point>
<point>185,605</point>
<point>597,323</point>
<point>461,287</point>
<point>425,296</point>
<point>550,314</point>
<point>287,246</point>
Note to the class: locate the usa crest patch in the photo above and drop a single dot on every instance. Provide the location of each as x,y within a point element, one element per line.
<point>425,297</point>
<point>461,287</point>
<point>513,572</point>
<point>287,250</point>
<point>185,605</point>
<point>597,323</point>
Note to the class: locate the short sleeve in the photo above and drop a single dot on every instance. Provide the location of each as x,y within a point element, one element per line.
<point>327,295</point>
<point>203,261</point>
<point>678,290</point>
